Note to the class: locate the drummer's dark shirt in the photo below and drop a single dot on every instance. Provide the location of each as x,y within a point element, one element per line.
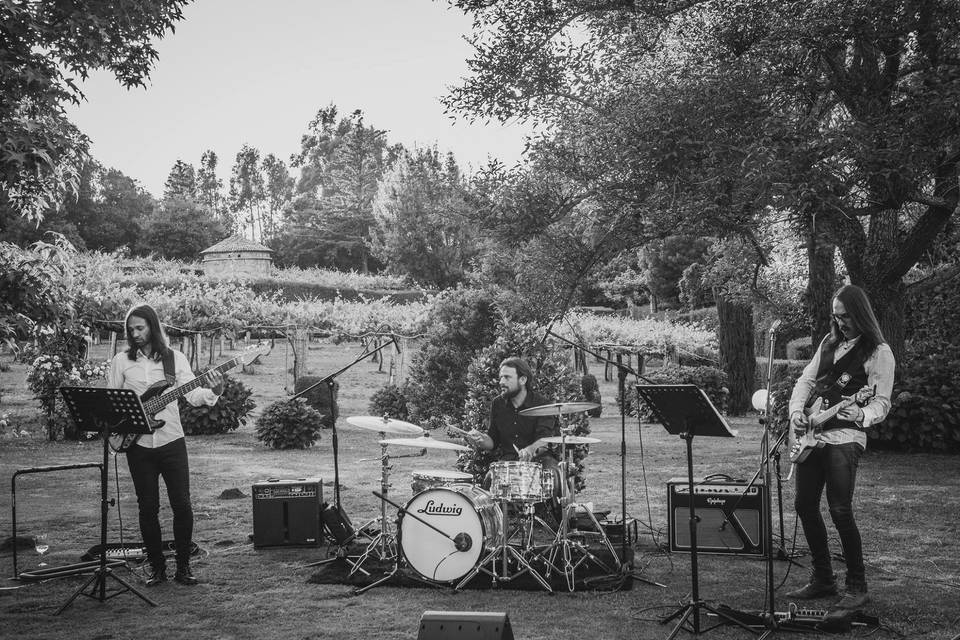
<point>509,428</point>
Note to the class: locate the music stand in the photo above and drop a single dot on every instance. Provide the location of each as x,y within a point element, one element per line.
<point>686,411</point>
<point>105,411</point>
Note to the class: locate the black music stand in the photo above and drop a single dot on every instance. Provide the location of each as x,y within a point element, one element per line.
<point>686,411</point>
<point>105,411</point>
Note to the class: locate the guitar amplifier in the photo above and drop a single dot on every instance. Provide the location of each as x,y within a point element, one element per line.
<point>730,516</point>
<point>287,512</point>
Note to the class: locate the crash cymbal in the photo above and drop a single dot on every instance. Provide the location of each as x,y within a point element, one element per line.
<point>558,408</point>
<point>571,440</point>
<point>426,441</point>
<point>385,425</point>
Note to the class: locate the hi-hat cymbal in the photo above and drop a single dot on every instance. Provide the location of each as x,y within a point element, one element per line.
<point>558,408</point>
<point>571,440</point>
<point>426,442</point>
<point>385,425</point>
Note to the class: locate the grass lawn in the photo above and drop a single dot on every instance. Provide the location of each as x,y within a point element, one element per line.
<point>908,509</point>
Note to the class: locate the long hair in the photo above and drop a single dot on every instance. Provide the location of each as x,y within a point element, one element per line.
<point>158,339</point>
<point>522,369</point>
<point>856,303</point>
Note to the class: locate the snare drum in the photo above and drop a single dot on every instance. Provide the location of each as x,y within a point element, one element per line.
<point>521,481</point>
<point>423,479</point>
<point>462,511</point>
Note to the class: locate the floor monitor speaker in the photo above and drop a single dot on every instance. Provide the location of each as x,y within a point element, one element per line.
<point>464,625</point>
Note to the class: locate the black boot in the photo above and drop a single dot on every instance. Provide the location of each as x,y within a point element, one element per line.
<point>817,587</point>
<point>184,575</point>
<point>156,573</point>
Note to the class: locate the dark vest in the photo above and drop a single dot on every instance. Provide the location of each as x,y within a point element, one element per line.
<point>844,377</point>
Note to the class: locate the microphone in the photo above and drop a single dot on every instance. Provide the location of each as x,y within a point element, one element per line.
<point>463,541</point>
<point>776,325</point>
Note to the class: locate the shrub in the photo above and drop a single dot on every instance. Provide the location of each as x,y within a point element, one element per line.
<point>923,415</point>
<point>289,424</point>
<point>389,401</point>
<point>227,415</point>
<point>555,380</point>
<point>712,380</point>
<point>461,323</point>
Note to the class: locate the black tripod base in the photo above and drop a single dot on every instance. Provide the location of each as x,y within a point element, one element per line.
<point>689,619</point>
<point>98,583</point>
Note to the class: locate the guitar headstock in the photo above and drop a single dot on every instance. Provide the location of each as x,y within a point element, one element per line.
<point>253,352</point>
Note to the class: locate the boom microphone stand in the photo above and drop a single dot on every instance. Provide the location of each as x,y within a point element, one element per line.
<point>622,372</point>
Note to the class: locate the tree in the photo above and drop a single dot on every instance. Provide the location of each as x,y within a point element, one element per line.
<point>210,190</point>
<point>422,227</point>
<point>181,182</point>
<point>247,191</point>
<point>708,117</point>
<point>180,230</point>
<point>662,263</point>
<point>278,192</point>
<point>45,46</point>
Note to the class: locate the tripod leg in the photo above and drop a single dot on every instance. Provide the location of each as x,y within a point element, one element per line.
<point>94,578</point>
<point>130,587</point>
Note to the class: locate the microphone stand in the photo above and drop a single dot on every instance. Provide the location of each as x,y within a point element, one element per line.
<point>622,372</point>
<point>329,380</point>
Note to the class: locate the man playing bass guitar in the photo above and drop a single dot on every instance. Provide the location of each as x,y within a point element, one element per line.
<point>147,361</point>
<point>853,356</point>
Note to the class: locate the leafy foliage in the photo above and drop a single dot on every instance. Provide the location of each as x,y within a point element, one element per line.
<point>47,46</point>
<point>461,323</point>
<point>389,401</point>
<point>231,411</point>
<point>289,424</point>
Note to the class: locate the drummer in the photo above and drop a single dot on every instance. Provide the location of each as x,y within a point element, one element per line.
<point>512,436</point>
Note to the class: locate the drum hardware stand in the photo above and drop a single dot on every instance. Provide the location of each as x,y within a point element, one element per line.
<point>686,411</point>
<point>105,411</point>
<point>462,542</point>
<point>622,372</point>
<point>384,544</point>
<point>564,544</point>
<point>502,554</point>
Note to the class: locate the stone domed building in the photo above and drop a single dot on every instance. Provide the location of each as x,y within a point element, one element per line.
<point>237,257</point>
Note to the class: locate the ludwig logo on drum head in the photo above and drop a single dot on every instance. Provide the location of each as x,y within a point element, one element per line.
<point>433,508</point>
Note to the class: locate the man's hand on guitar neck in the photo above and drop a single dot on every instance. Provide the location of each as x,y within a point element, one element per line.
<point>213,380</point>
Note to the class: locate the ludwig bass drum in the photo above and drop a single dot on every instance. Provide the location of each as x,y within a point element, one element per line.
<point>459,510</point>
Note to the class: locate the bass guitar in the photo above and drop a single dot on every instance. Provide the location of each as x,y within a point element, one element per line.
<point>154,399</point>
<point>818,416</point>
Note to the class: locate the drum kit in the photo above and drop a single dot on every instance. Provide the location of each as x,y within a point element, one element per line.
<point>452,529</point>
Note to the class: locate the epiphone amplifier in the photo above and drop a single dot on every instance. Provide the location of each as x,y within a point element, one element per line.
<point>287,512</point>
<point>729,515</point>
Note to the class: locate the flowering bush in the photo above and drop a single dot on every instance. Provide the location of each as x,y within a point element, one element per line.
<point>49,372</point>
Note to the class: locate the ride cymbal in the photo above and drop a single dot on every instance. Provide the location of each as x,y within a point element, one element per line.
<point>559,408</point>
<point>385,425</point>
<point>426,442</point>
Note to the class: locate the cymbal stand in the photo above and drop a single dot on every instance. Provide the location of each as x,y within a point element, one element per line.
<point>564,545</point>
<point>502,554</point>
<point>382,546</point>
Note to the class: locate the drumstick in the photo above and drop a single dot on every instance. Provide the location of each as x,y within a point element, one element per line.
<point>517,450</point>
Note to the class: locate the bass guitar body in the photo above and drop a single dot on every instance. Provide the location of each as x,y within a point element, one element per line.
<point>121,442</point>
<point>818,416</point>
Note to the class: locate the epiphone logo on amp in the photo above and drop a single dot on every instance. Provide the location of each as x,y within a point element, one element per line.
<point>439,509</point>
<point>716,501</point>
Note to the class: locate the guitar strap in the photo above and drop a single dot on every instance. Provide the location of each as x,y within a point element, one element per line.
<point>169,370</point>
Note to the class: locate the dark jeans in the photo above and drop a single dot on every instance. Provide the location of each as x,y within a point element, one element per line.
<point>147,466</point>
<point>833,467</point>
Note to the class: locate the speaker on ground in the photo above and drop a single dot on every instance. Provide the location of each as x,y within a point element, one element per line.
<point>464,625</point>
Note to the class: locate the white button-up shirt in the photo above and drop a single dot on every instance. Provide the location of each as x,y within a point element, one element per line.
<point>879,368</point>
<point>143,372</point>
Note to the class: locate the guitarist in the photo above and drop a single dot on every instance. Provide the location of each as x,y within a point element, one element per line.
<point>149,360</point>
<point>852,356</point>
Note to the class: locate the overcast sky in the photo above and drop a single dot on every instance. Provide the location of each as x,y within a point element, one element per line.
<point>255,72</point>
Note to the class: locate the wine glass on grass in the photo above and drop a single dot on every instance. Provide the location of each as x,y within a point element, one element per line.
<point>41,544</point>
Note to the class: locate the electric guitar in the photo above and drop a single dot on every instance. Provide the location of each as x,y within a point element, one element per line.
<point>810,440</point>
<point>154,399</point>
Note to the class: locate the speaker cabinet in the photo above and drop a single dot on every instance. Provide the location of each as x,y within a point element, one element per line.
<point>730,516</point>
<point>287,512</point>
<point>464,625</point>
